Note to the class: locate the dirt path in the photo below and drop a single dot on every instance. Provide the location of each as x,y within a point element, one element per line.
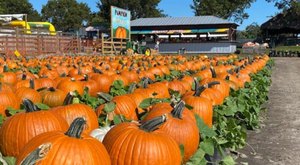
<point>278,142</point>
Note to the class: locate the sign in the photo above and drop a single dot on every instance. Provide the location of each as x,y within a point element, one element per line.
<point>17,53</point>
<point>120,23</point>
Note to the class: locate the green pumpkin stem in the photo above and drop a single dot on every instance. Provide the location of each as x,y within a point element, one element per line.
<point>97,70</point>
<point>31,84</point>
<point>69,98</point>
<point>5,68</point>
<point>86,77</point>
<point>178,109</point>
<point>153,124</point>
<point>36,155</point>
<point>76,128</point>
<point>29,106</point>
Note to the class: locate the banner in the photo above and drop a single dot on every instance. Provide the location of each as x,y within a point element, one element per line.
<point>120,23</point>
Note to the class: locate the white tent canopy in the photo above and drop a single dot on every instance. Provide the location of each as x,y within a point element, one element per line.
<point>9,17</point>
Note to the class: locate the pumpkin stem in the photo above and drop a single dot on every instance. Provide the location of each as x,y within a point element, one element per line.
<point>132,87</point>
<point>76,127</point>
<point>29,106</point>
<point>145,82</point>
<point>31,84</point>
<point>37,155</point>
<point>5,68</point>
<point>86,77</point>
<point>153,124</point>
<point>97,70</point>
<point>79,70</point>
<point>178,109</point>
<point>24,76</point>
<point>69,98</point>
<point>213,72</point>
<point>199,90</point>
<point>209,85</point>
<point>106,97</point>
<point>227,77</point>
<point>52,89</point>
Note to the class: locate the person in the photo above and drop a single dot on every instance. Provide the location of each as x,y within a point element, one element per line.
<point>156,47</point>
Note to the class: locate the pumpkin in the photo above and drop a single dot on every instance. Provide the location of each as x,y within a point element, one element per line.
<point>124,106</point>
<point>201,106</point>
<point>17,130</point>
<point>7,99</point>
<point>8,77</point>
<point>104,81</point>
<point>68,148</point>
<point>134,144</point>
<point>99,133</point>
<point>71,111</point>
<point>53,97</point>
<point>180,125</point>
<point>121,32</point>
<point>29,93</point>
<point>70,85</point>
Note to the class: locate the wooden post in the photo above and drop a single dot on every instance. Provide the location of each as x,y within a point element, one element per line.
<point>102,43</point>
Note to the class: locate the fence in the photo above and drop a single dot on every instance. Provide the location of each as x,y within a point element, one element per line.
<point>37,44</point>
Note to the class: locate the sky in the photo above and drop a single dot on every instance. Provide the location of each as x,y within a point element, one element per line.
<point>259,12</point>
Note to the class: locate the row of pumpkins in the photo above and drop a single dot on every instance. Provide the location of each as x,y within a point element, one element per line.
<point>69,133</point>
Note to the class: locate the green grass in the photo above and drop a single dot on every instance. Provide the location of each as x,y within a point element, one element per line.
<point>287,48</point>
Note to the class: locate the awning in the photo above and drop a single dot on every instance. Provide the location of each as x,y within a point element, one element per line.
<point>179,31</point>
<point>10,17</point>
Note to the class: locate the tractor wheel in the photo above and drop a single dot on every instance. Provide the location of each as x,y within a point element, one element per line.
<point>147,51</point>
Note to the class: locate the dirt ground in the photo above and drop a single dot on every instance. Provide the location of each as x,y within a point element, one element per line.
<point>278,141</point>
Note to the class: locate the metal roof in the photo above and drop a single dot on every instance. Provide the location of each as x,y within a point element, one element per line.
<point>170,21</point>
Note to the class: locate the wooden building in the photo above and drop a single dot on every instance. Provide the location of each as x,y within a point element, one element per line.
<point>200,34</point>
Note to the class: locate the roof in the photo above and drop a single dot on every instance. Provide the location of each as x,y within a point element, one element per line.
<point>285,22</point>
<point>172,21</point>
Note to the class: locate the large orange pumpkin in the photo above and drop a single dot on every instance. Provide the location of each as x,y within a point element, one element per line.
<point>17,130</point>
<point>72,147</point>
<point>134,144</point>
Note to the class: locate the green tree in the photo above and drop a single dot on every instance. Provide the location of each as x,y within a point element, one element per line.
<point>66,15</point>
<point>227,9</point>
<point>19,7</point>
<point>252,31</point>
<point>138,8</point>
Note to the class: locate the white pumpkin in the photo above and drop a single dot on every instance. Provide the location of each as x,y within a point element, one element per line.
<point>99,133</point>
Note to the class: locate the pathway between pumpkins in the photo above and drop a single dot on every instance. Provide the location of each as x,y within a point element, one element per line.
<point>278,141</point>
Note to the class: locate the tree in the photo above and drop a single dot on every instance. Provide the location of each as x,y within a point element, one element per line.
<point>227,9</point>
<point>66,15</point>
<point>138,8</point>
<point>284,4</point>
<point>19,7</point>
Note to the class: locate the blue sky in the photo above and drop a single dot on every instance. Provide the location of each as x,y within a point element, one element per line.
<point>259,12</point>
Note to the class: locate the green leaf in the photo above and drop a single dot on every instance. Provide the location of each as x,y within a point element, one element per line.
<point>208,146</point>
<point>117,119</point>
<point>228,160</point>
<point>118,84</point>
<point>75,100</point>
<point>42,106</point>
<point>205,131</point>
<point>146,103</point>
<point>1,119</point>
<point>109,107</point>
<point>10,160</point>
<point>181,147</point>
<point>197,158</point>
<point>13,111</point>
